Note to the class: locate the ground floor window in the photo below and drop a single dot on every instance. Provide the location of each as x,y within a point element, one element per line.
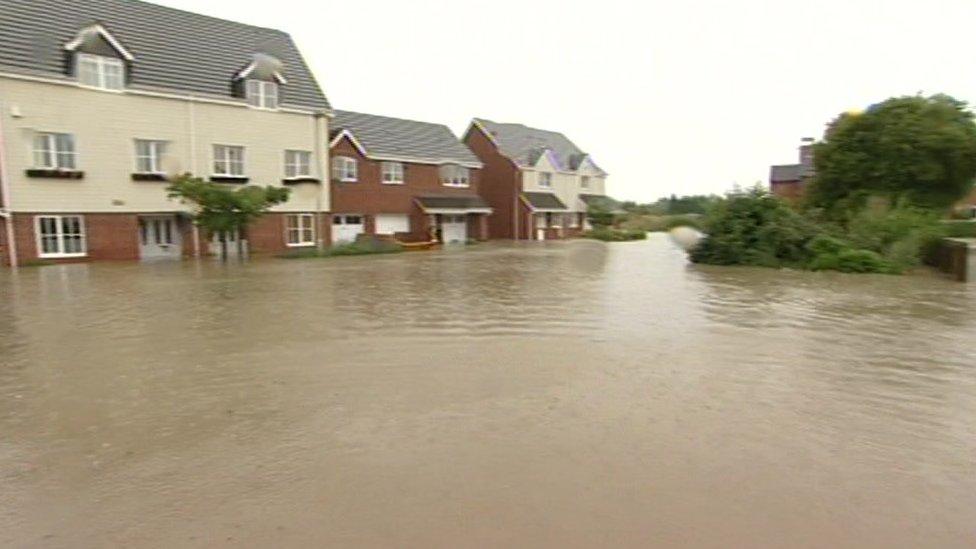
<point>574,220</point>
<point>300,229</point>
<point>60,235</point>
<point>541,221</point>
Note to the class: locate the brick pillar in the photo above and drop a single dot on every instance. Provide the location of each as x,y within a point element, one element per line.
<point>482,227</point>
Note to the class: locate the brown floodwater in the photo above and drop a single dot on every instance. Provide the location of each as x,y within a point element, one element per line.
<point>571,394</point>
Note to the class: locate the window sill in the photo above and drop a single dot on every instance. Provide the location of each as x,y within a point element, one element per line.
<point>143,176</point>
<point>346,180</point>
<point>238,179</point>
<point>300,179</point>
<point>394,183</point>
<point>101,89</point>
<point>301,245</point>
<point>458,186</point>
<point>61,256</point>
<point>54,173</point>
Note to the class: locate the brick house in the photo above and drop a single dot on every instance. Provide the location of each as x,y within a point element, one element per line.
<point>99,106</point>
<point>404,179</point>
<point>539,183</point>
<point>788,181</point>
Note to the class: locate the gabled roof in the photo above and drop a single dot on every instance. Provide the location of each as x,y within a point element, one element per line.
<point>525,145</point>
<point>173,50</point>
<point>544,202</point>
<point>389,138</point>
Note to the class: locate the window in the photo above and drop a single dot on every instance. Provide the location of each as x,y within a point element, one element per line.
<point>298,164</point>
<point>60,236</point>
<point>300,230</point>
<point>344,168</point>
<point>574,220</point>
<point>228,160</point>
<point>545,179</point>
<point>55,151</point>
<point>453,175</point>
<point>262,94</point>
<point>98,71</point>
<point>149,156</point>
<point>393,173</point>
<point>585,182</point>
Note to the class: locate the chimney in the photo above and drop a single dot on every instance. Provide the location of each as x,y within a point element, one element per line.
<point>806,152</point>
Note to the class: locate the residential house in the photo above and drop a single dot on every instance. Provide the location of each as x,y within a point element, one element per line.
<point>102,100</point>
<point>539,183</point>
<point>408,180</point>
<point>788,181</point>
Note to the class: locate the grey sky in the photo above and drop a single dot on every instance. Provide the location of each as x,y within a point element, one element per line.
<point>675,97</point>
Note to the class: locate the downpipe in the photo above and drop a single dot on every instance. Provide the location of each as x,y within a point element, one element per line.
<point>5,212</point>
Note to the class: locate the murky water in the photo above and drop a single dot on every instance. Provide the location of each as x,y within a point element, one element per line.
<point>564,395</point>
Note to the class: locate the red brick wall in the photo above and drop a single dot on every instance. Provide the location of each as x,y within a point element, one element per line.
<point>500,184</point>
<point>267,235</point>
<point>107,236</point>
<point>369,196</point>
<point>787,190</point>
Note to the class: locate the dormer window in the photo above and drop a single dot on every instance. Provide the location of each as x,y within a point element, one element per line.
<point>261,94</point>
<point>98,71</point>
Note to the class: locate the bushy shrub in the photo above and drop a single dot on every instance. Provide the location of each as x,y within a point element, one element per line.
<point>659,223</point>
<point>903,235</point>
<point>960,229</point>
<point>360,247</point>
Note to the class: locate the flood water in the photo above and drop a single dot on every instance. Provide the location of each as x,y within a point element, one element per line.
<point>571,394</point>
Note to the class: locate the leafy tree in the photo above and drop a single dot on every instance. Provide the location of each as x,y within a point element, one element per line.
<point>918,149</point>
<point>222,210</point>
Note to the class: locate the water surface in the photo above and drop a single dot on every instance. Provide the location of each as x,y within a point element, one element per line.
<point>567,394</point>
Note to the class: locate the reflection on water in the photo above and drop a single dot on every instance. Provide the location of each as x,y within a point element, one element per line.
<point>565,394</point>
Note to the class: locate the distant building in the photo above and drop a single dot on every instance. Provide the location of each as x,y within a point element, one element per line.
<point>787,181</point>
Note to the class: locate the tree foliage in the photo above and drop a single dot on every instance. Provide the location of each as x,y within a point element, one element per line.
<point>921,150</point>
<point>220,209</point>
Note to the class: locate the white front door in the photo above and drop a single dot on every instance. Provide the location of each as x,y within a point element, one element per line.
<point>159,237</point>
<point>454,228</point>
<point>392,223</point>
<point>346,227</point>
<point>232,237</point>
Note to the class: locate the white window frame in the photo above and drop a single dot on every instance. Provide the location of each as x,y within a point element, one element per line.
<point>222,154</point>
<point>157,152</point>
<point>298,164</point>
<point>60,236</point>
<point>341,169</point>
<point>393,173</point>
<point>305,226</point>
<point>455,176</point>
<point>54,155</point>
<point>585,182</point>
<point>262,94</point>
<point>101,65</point>
<point>547,177</point>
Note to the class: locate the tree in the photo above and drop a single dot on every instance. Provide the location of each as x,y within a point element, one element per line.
<point>919,150</point>
<point>222,210</point>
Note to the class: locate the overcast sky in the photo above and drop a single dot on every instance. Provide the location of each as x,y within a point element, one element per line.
<point>669,97</point>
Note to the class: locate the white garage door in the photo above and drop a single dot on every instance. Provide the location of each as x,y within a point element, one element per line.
<point>454,228</point>
<point>345,227</point>
<point>392,223</point>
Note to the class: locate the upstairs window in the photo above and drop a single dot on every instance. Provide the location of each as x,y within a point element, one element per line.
<point>97,71</point>
<point>55,151</point>
<point>298,164</point>
<point>344,169</point>
<point>545,179</point>
<point>585,182</point>
<point>261,94</point>
<point>149,156</point>
<point>453,175</point>
<point>393,173</point>
<point>228,160</point>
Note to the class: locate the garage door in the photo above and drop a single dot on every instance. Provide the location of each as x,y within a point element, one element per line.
<point>454,228</point>
<point>345,227</point>
<point>392,223</point>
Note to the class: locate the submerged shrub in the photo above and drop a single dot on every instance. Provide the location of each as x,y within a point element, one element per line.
<point>609,234</point>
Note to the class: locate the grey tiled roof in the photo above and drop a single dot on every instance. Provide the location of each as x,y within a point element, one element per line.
<point>544,201</point>
<point>525,145</point>
<point>472,202</point>
<point>785,172</point>
<point>404,139</point>
<point>174,50</point>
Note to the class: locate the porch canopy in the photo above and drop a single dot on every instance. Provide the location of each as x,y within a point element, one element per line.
<point>453,205</point>
<point>544,202</point>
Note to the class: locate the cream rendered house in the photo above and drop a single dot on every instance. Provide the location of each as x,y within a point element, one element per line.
<point>102,100</point>
<point>539,183</point>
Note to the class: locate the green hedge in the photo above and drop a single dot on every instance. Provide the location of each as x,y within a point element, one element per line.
<point>608,234</point>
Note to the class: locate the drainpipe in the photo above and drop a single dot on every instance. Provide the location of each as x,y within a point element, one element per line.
<point>516,213</point>
<point>318,120</point>
<point>191,108</point>
<point>5,194</point>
